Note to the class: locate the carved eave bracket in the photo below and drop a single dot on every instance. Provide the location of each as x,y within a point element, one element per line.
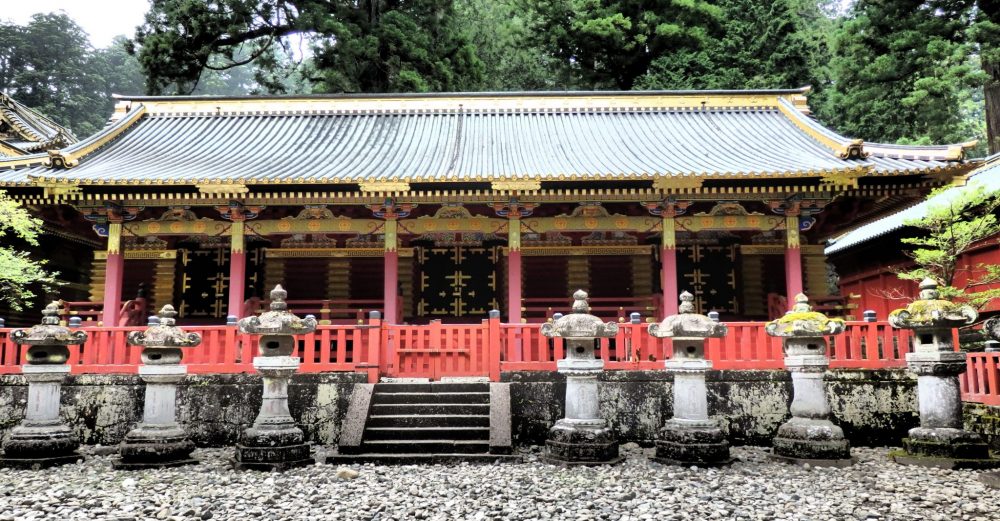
<point>514,209</point>
<point>668,207</point>
<point>390,209</point>
<point>61,159</point>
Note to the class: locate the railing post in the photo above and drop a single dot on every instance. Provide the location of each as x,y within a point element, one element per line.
<point>375,363</point>
<point>494,344</point>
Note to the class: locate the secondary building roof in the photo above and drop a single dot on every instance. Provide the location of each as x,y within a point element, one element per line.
<point>987,176</point>
<point>24,131</point>
<point>666,137</point>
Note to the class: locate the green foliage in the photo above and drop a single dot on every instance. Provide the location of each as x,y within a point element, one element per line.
<point>903,72</point>
<point>48,65</point>
<point>366,46</point>
<point>952,226</point>
<point>613,43</point>
<point>18,272</point>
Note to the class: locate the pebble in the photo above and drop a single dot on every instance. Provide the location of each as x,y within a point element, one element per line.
<point>753,489</point>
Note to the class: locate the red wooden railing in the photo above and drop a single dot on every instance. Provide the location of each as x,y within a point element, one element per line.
<point>540,309</point>
<point>488,348</point>
<point>981,380</point>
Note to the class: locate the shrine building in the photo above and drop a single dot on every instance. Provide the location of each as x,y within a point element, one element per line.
<point>446,206</point>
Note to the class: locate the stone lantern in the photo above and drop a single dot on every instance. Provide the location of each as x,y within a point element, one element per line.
<point>810,436</point>
<point>690,437</point>
<point>274,442</point>
<point>42,439</point>
<point>939,440</point>
<point>159,441</point>
<point>582,437</point>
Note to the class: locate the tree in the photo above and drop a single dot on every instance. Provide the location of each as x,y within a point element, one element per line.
<point>512,60</point>
<point>355,46</point>
<point>762,44</point>
<point>19,272</point>
<point>49,65</point>
<point>903,71</point>
<point>985,33</point>
<point>613,43</point>
<point>956,220</point>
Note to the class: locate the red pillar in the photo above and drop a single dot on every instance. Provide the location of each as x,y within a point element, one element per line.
<point>668,268</point>
<point>237,269</point>
<point>668,281</point>
<point>390,288</point>
<point>793,259</point>
<point>113,272</point>
<point>514,273</point>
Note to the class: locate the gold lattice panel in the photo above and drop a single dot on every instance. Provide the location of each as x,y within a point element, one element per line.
<point>754,301</point>
<point>814,274</point>
<point>163,283</point>
<point>338,278</point>
<point>406,283</point>
<point>642,275</point>
<point>274,272</point>
<point>578,273</point>
<point>97,270</point>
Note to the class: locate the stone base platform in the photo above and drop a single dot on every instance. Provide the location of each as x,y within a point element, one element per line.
<point>575,444</point>
<point>421,458</point>
<point>272,458</point>
<point>838,463</point>
<point>811,439</point>
<point>39,463</point>
<point>702,446</point>
<point>945,443</point>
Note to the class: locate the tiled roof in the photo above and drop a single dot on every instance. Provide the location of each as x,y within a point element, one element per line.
<point>471,137</point>
<point>987,176</point>
<point>28,130</point>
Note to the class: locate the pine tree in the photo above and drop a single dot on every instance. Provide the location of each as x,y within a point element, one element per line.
<point>356,46</point>
<point>903,72</point>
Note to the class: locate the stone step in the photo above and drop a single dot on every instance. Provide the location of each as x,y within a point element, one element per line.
<point>429,420</point>
<point>426,433</point>
<point>433,387</point>
<point>420,459</point>
<point>435,397</point>
<point>424,409</point>
<point>425,446</point>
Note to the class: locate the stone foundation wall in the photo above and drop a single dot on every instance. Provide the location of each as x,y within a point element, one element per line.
<point>984,419</point>
<point>873,407</point>
<point>213,408</point>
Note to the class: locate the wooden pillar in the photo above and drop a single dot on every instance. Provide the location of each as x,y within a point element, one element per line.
<point>113,275</point>
<point>237,266</point>
<point>668,267</point>
<point>514,274</point>
<point>793,258</point>
<point>390,288</point>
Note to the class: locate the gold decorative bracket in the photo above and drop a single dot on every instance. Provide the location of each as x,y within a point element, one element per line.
<point>671,183</point>
<point>516,185</point>
<point>384,186</point>
<point>222,188</point>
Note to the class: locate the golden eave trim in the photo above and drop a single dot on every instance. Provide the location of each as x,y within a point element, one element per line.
<point>11,150</point>
<point>70,157</point>
<point>843,148</point>
<point>222,188</point>
<point>597,100</point>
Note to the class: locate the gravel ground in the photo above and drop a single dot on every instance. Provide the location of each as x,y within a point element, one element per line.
<point>752,489</point>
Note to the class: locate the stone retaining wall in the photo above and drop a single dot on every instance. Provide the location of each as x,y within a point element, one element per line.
<point>874,407</point>
<point>214,408</point>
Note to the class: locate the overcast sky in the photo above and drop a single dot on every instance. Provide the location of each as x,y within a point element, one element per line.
<point>102,19</point>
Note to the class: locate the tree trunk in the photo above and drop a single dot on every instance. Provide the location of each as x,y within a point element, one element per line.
<point>991,92</point>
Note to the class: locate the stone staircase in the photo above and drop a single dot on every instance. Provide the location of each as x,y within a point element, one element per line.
<point>427,423</point>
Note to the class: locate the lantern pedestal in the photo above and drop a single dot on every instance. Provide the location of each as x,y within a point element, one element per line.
<point>691,437</point>
<point>274,442</point>
<point>940,441</point>
<point>159,441</point>
<point>810,437</point>
<point>582,437</point>
<point>41,440</point>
